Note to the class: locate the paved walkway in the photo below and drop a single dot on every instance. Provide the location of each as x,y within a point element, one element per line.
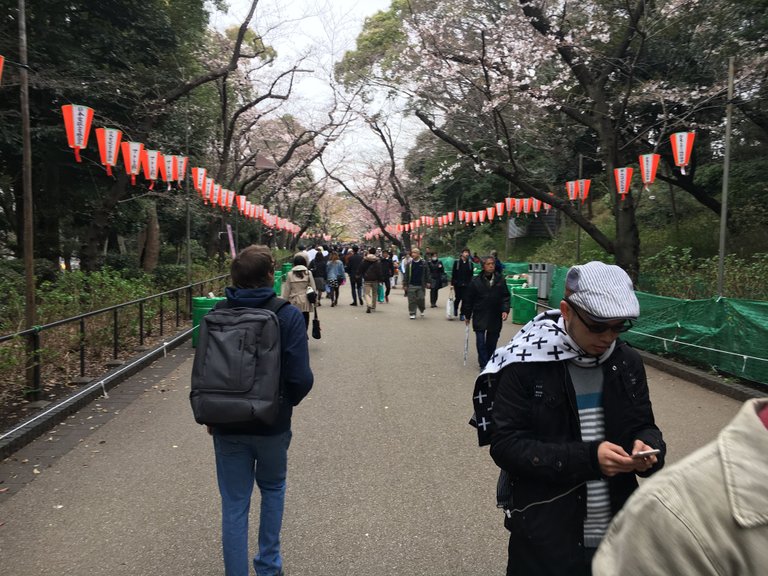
<point>385,476</point>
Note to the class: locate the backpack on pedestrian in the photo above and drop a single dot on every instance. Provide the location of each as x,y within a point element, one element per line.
<point>236,371</point>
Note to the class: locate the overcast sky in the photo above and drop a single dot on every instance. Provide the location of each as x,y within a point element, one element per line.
<point>322,30</point>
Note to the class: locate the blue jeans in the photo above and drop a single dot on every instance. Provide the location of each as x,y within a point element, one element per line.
<point>241,459</point>
<point>486,346</point>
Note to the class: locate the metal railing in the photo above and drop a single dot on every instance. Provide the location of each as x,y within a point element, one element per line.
<point>32,337</point>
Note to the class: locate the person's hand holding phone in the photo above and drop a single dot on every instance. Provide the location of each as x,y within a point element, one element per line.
<point>613,459</point>
<point>644,456</point>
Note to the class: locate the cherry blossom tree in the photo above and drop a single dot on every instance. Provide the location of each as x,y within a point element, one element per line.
<point>503,82</point>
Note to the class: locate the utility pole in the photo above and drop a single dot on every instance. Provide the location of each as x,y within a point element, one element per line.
<point>186,185</point>
<point>506,232</point>
<point>578,209</point>
<point>726,173</point>
<point>29,256</point>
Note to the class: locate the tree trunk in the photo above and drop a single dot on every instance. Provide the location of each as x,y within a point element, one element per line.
<point>150,255</point>
<point>47,211</point>
<point>98,228</point>
<point>627,244</point>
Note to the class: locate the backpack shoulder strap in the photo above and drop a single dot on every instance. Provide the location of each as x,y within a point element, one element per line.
<point>275,304</point>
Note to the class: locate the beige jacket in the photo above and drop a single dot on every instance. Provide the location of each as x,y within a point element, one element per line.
<point>705,515</point>
<point>295,288</point>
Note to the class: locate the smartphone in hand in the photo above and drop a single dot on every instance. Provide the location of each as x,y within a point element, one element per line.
<point>644,453</point>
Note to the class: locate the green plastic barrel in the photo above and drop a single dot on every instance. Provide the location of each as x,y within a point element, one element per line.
<point>525,304</point>
<point>278,285</point>
<point>558,286</point>
<point>286,268</point>
<point>200,307</point>
<point>513,283</point>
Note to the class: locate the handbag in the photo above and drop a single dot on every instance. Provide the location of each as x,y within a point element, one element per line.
<point>316,326</point>
<point>311,295</point>
<point>380,292</point>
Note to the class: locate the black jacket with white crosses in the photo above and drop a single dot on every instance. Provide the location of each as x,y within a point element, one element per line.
<point>536,439</point>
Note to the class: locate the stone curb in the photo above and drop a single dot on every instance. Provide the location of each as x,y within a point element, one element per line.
<point>704,379</point>
<point>75,401</point>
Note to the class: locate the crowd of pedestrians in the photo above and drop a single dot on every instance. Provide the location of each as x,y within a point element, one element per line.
<point>565,408</point>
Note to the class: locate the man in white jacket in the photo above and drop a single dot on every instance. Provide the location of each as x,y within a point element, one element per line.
<point>705,515</point>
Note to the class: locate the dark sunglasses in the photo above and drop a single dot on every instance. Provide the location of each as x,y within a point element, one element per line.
<point>600,327</point>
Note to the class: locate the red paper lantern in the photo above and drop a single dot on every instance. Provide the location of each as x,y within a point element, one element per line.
<point>462,215</point>
<point>150,162</point>
<point>109,146</point>
<point>207,190</point>
<point>481,215</point>
<point>527,205</point>
<point>168,169</point>
<point>132,153</point>
<point>491,211</point>
<point>536,206</point>
<point>198,179</point>
<point>241,202</point>
<point>682,146</point>
<point>181,168</point>
<point>475,218</point>
<point>518,205</point>
<point>572,189</point>
<point>451,216</point>
<point>583,186</point>
<point>499,209</point>
<point>215,196</point>
<point>623,177</point>
<point>508,204</point>
<point>77,122</point>
<point>648,165</point>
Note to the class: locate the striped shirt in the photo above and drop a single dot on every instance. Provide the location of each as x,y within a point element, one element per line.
<point>588,385</point>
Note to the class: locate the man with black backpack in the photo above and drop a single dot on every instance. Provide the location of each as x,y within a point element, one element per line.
<point>253,325</point>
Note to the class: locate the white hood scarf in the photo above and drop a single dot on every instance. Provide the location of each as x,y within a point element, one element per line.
<point>543,339</point>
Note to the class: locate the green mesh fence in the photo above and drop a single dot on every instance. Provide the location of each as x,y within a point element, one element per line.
<point>725,334</point>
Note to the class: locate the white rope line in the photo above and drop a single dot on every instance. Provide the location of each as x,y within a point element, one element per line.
<point>674,340</point>
<point>102,383</point>
<point>679,343</point>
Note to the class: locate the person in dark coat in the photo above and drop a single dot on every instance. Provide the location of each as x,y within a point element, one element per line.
<point>388,270</point>
<point>370,272</point>
<point>571,424</point>
<point>415,282</point>
<point>436,271</point>
<point>486,305</point>
<point>319,269</point>
<point>355,281</point>
<point>461,276</point>
<point>497,264</point>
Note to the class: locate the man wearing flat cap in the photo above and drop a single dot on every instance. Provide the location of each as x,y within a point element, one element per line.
<point>566,409</point>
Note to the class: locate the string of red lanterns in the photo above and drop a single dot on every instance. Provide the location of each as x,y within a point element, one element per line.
<point>153,164</point>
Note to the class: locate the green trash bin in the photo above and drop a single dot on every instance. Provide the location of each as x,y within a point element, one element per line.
<point>200,307</point>
<point>286,268</point>
<point>513,283</point>
<point>278,285</point>
<point>525,304</point>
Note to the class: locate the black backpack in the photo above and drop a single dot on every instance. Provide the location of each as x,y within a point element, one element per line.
<point>236,371</point>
